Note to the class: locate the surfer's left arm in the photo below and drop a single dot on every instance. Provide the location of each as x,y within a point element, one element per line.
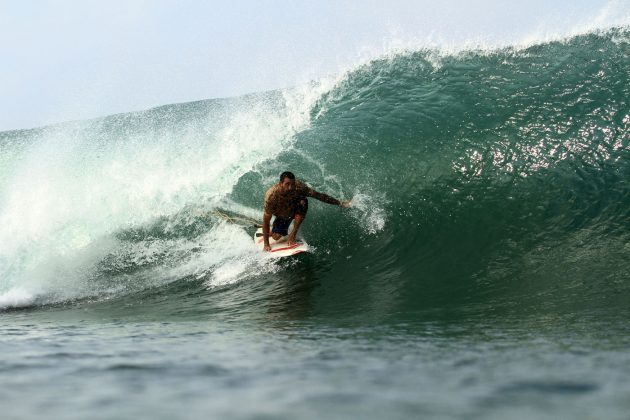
<point>328,199</point>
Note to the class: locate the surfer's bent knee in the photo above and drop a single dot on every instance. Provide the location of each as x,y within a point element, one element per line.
<point>300,209</point>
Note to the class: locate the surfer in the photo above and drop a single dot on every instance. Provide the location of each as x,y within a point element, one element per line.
<point>287,201</point>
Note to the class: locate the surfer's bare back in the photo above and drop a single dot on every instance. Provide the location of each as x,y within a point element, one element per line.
<point>287,201</point>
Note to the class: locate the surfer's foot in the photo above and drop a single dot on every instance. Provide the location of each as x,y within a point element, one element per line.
<point>276,236</point>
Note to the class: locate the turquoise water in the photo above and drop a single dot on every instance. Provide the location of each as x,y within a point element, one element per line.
<point>481,273</point>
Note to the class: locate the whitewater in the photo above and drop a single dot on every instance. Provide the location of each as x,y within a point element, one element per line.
<point>482,271</point>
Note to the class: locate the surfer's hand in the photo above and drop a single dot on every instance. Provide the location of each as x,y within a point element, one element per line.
<point>345,203</point>
<point>267,248</point>
<point>290,240</point>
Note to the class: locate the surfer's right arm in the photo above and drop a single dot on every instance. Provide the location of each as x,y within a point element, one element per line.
<point>266,220</point>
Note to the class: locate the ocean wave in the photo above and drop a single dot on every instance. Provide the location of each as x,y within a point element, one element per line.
<point>478,177</point>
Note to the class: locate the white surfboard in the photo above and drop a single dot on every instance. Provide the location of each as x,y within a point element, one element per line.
<point>280,248</point>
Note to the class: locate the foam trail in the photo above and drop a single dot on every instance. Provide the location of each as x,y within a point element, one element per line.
<point>369,211</point>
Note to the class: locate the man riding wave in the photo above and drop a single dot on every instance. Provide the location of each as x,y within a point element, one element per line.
<point>287,201</point>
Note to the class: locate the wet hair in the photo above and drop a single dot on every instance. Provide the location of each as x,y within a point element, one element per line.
<point>286,174</point>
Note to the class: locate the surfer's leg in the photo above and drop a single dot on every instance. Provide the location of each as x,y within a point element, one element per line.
<point>280,227</point>
<point>301,207</point>
<point>297,221</point>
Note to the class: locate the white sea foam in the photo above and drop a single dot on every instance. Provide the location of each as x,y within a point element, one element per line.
<point>369,211</point>
<point>80,184</point>
<point>16,298</point>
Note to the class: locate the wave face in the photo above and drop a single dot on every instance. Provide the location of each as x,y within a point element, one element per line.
<point>491,181</point>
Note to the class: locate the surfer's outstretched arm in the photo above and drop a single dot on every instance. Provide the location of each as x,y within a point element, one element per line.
<point>328,199</point>
<point>266,221</point>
